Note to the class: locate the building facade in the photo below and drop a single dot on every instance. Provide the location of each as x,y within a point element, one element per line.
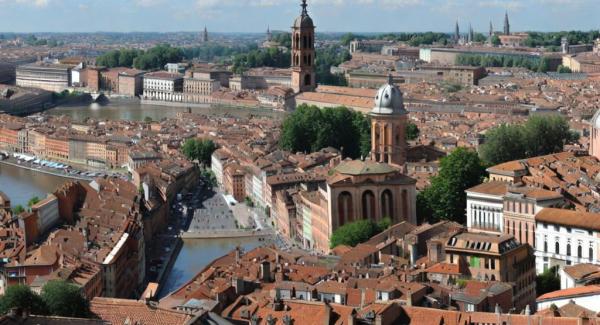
<point>50,77</point>
<point>163,86</point>
<point>566,237</point>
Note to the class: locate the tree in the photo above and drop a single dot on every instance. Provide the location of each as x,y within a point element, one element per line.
<point>310,129</point>
<point>548,281</point>
<point>20,296</point>
<point>540,135</point>
<point>503,143</point>
<point>18,209</point>
<point>64,299</point>
<point>354,233</point>
<point>562,69</point>
<point>546,134</point>
<point>199,149</point>
<point>496,40</point>
<point>412,131</point>
<point>147,119</point>
<point>33,201</point>
<point>445,197</point>
<point>209,177</point>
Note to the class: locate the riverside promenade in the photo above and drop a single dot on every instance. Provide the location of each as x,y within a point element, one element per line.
<point>39,169</point>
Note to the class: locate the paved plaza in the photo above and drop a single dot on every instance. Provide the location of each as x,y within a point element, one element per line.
<point>213,214</point>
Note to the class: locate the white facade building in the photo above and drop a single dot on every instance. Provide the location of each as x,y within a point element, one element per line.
<point>566,237</point>
<point>485,203</point>
<point>163,86</point>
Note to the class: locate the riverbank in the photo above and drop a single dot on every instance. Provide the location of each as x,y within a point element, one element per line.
<point>46,171</point>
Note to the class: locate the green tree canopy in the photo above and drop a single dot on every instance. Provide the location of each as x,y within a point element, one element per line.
<point>18,209</point>
<point>412,131</point>
<point>154,58</point>
<point>548,281</point>
<point>310,129</point>
<point>496,40</point>
<point>20,296</point>
<point>33,201</point>
<point>357,232</point>
<point>64,299</point>
<point>326,58</point>
<point>271,57</point>
<point>445,198</point>
<point>540,135</point>
<point>503,143</point>
<point>199,149</point>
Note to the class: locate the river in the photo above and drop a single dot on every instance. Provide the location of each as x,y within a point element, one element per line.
<point>21,184</point>
<point>195,254</point>
<point>133,110</point>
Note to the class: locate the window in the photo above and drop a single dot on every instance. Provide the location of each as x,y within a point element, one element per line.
<point>493,264</point>
<point>591,253</point>
<point>545,246</point>
<point>470,307</point>
<point>579,251</point>
<point>568,249</point>
<point>556,247</point>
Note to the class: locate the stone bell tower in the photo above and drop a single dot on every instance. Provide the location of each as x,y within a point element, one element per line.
<point>303,52</point>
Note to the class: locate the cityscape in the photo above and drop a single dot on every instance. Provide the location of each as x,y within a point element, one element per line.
<point>432,170</point>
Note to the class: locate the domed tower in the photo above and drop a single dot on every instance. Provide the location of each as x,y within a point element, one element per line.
<point>595,135</point>
<point>388,126</point>
<point>303,52</point>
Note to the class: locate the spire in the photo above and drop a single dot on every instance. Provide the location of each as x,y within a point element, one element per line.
<point>304,5</point>
<point>471,33</point>
<point>456,32</point>
<point>506,24</point>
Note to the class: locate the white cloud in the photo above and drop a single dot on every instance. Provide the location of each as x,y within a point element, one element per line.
<point>33,3</point>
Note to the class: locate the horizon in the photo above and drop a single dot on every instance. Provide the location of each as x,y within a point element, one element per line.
<point>331,16</point>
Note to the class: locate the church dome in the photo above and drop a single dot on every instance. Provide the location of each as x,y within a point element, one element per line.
<point>304,22</point>
<point>596,120</point>
<point>389,100</point>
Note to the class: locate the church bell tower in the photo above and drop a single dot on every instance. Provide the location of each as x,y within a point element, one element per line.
<point>303,52</point>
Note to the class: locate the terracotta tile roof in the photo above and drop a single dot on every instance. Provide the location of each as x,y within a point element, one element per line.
<point>571,292</point>
<point>444,268</point>
<point>497,188</point>
<point>570,218</point>
<point>123,311</point>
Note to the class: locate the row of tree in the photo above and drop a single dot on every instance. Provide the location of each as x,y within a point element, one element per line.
<point>310,129</point>
<point>538,136</point>
<point>554,39</point>
<point>154,58</point>
<point>326,58</point>
<point>57,298</point>
<point>271,57</point>
<point>539,64</point>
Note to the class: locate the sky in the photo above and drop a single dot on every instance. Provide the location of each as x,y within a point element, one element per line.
<point>329,15</point>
